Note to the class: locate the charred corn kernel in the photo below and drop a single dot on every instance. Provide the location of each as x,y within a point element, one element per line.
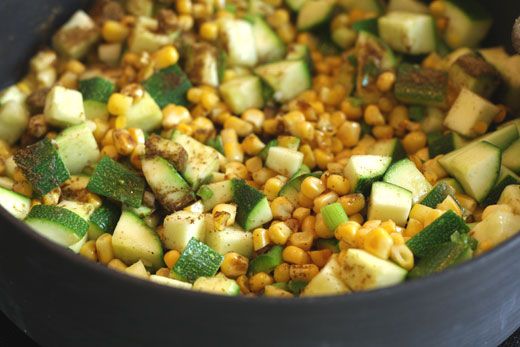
<point>88,250</point>
<point>437,8</point>
<point>420,212</point>
<point>137,135</point>
<point>252,145</point>
<point>52,197</point>
<point>312,187</point>
<point>118,104</point>
<point>254,164</point>
<point>383,132</point>
<point>308,224</point>
<point>279,233</point>
<point>302,240</point>
<point>338,184</point>
<point>347,232</point>
<point>321,228</point>
<point>255,117</point>
<point>349,133</point>
<point>135,157</point>
<point>281,208</point>
<point>480,127</point>
<point>402,256</point>
<point>223,215</point>
<point>432,216</point>
<point>24,188</point>
<point>397,238</point>
<point>373,116</point>
<point>35,202</point>
<point>281,273</point>
<point>414,141</point>
<point>234,265</point>
<point>114,32</point>
<point>305,272</point>
<point>171,257</point>
<point>235,170</point>
<point>308,156</point>
<point>467,202</point>
<point>194,95</point>
<point>243,283</point>
<point>209,31</point>
<point>295,255</point>
<point>324,200</point>
<point>320,258</point>
<point>413,228</point>
<point>261,176</point>
<point>352,203</point>
<point>110,151</point>
<point>232,149</point>
<point>272,126</point>
<point>293,117</point>
<point>117,264</point>
<point>123,142</point>
<point>357,218</point>
<point>209,100</point>
<point>303,130</point>
<point>273,186</point>
<point>104,248</point>
<point>241,127</point>
<point>163,272</point>
<point>501,115</point>
<point>260,239</point>
<point>301,213</point>
<point>385,81</point>
<point>184,6</point>
<point>258,282</point>
<point>389,226</point>
<point>275,292</point>
<point>423,154</point>
<point>378,242</point>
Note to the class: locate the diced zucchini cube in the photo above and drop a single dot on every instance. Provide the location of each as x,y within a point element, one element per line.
<point>219,285</point>
<point>412,6</point>
<point>77,36</point>
<point>511,157</point>
<point>16,204</point>
<point>197,260</point>
<point>363,170</point>
<point>165,281</point>
<point>421,86</point>
<point>238,40</point>
<point>168,86</point>
<point>145,38</point>
<point>78,148</point>
<point>231,239</point>
<point>468,23</point>
<point>14,118</point>
<point>468,110</point>
<point>328,281</point>
<point>474,73</point>
<point>410,33</point>
<point>202,64</point>
<point>144,114</point>
<point>314,13</point>
<point>285,161</point>
<point>405,174</point>
<point>242,93</point>
<point>180,227</point>
<point>388,201</point>
<point>373,6</point>
<point>140,7</point>
<point>64,107</point>
<point>287,78</point>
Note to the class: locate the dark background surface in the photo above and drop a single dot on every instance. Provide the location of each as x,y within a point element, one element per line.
<point>10,335</point>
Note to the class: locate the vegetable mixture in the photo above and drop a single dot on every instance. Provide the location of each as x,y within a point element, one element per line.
<point>268,148</point>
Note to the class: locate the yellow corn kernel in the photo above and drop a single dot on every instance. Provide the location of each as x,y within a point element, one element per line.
<point>301,213</point>
<point>302,240</point>
<point>383,132</point>
<point>253,164</point>
<point>235,170</point>
<point>273,186</point>
<point>171,257</point>
<point>281,273</point>
<point>209,31</point>
<point>52,197</point>
<point>209,100</point>
<point>373,116</point>
<point>261,176</point>
<point>281,208</point>
<point>163,272</point>
<point>259,281</point>
<point>255,117</point>
<point>88,250</point>
<point>232,148</point>
<point>437,8</point>
<point>174,115</point>
<point>110,151</point>
<point>402,256</point>
<point>389,226</point>
<point>397,238</point>
<point>467,202</point>
<point>123,142</point>
<point>275,292</point>
<point>75,66</point>
<point>420,212</point>
<point>278,18</point>
<point>324,200</point>
<point>450,204</point>
<point>224,215</point>
<point>339,184</point>
<point>320,258</point>
<point>413,228</point>
<point>234,265</point>
<point>347,232</point>
<point>358,217</point>
<point>351,110</point>
<point>241,127</point>
<point>386,105</point>
<point>414,141</point>
<point>260,239</point>
<point>352,203</point>
<point>279,233</point>
<point>116,264</point>
<point>379,243</point>
<point>308,156</point>
<point>385,81</point>
<point>308,225</point>
<point>118,104</point>
<point>184,6</point>
<point>312,187</point>
<point>243,283</point>
<point>295,255</point>
<point>194,95</point>
<point>323,157</point>
<point>135,157</point>
<point>252,145</point>
<point>104,248</point>
<point>305,272</point>
<point>114,32</point>
<point>321,228</point>
<point>349,133</point>
<point>432,216</point>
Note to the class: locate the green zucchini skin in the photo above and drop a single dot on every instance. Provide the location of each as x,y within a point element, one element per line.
<point>96,89</point>
<point>197,260</point>
<point>168,86</point>
<point>42,165</point>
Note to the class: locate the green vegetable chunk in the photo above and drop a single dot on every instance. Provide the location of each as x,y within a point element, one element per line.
<point>266,262</point>
<point>440,257</point>
<point>436,233</point>
<point>168,86</point>
<point>42,166</point>
<point>420,86</point>
<point>197,260</point>
<point>96,89</point>
<point>438,194</point>
<point>253,209</point>
<point>333,215</point>
<point>115,181</point>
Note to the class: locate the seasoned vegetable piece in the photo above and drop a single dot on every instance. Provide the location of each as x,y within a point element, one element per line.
<point>505,179</point>
<point>219,285</point>
<point>437,195</point>
<point>216,193</point>
<point>230,239</point>
<point>64,107</point>
<point>202,63</point>
<point>287,78</point>
<point>197,260</point>
<point>77,36</point>
<point>266,262</point>
<point>421,86</point>
<point>14,118</point>
<point>77,148</point>
<point>238,40</point>
<point>405,174</point>
<point>440,257</point>
<point>42,166</point>
<point>16,204</point>
<point>468,23</point>
<point>103,220</point>
<point>327,282</point>
<point>472,72</point>
<point>388,201</point>
<point>168,86</point>
<point>174,153</point>
<point>314,13</point>
<point>243,93</point>
<point>115,181</point>
<point>269,47</point>
<point>180,227</point>
<point>253,207</point>
<point>96,91</point>
<point>363,170</point>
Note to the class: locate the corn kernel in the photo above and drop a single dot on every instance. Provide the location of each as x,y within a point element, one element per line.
<point>379,243</point>
<point>312,187</point>
<point>275,292</point>
<point>301,213</point>
<point>295,255</point>
<point>273,186</point>
<point>260,239</point>
<point>339,184</point>
<point>352,203</point>
<point>373,116</point>
<point>281,273</point>
<point>252,145</point>
<point>414,141</point>
<point>302,240</point>
<point>305,272</point>
<point>402,256</point>
<point>88,250</point>
<point>413,228</point>
<point>279,233</point>
<point>209,31</point>
<point>114,32</point>
<point>320,258</point>
<point>171,257</point>
<point>234,265</point>
<point>118,104</point>
<point>258,282</point>
<point>347,232</point>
